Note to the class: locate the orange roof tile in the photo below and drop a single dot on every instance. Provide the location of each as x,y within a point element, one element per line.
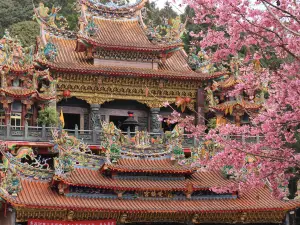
<point>68,60</point>
<point>93,178</point>
<point>228,83</point>
<point>125,34</point>
<point>18,91</point>
<point>37,194</point>
<point>147,166</point>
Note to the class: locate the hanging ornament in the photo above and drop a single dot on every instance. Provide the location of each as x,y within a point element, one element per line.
<point>67,94</point>
<point>188,100</point>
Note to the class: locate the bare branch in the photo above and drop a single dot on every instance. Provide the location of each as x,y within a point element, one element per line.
<point>282,10</point>
<point>285,27</point>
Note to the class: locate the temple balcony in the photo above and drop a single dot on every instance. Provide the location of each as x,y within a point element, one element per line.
<point>91,137</point>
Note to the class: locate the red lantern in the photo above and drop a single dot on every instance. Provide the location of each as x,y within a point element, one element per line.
<point>67,93</point>
<point>188,100</point>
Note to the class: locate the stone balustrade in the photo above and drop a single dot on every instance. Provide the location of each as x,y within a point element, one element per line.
<point>91,137</point>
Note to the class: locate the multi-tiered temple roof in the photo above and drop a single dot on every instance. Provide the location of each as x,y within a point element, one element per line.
<point>144,186</point>
<point>133,179</point>
<point>110,34</point>
<point>22,88</point>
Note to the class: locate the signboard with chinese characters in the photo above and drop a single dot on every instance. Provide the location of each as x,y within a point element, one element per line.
<point>55,222</point>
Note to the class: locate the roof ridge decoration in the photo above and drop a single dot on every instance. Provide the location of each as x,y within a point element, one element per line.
<point>12,54</point>
<point>72,153</point>
<point>113,8</point>
<point>142,145</point>
<point>200,61</point>
<point>51,22</point>
<point>50,51</point>
<point>168,33</point>
<point>13,168</point>
<point>113,138</point>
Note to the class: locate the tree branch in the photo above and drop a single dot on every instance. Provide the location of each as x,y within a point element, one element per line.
<point>282,10</point>
<point>278,20</point>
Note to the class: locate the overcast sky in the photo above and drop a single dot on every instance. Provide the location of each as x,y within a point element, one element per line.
<point>161,3</point>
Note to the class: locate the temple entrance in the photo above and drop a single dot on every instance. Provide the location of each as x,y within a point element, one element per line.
<point>76,111</point>
<point>118,120</point>
<point>117,112</point>
<point>71,120</point>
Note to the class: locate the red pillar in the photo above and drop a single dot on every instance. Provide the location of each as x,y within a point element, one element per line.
<point>7,114</point>
<point>23,114</point>
<point>200,103</point>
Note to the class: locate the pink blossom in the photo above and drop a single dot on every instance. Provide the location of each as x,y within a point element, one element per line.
<point>272,31</point>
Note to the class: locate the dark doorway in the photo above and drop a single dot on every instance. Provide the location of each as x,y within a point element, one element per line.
<point>71,120</point>
<point>167,127</point>
<point>118,120</point>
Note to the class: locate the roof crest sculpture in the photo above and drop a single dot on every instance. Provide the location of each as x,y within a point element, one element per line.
<point>72,153</point>
<point>14,169</point>
<point>113,8</point>
<point>52,23</point>
<point>12,53</point>
<point>142,145</point>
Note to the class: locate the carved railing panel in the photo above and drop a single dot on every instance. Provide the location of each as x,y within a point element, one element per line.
<point>95,137</point>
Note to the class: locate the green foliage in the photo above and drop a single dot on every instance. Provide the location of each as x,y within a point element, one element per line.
<point>15,11</point>
<point>25,31</point>
<point>178,150</point>
<point>48,117</point>
<point>156,15</point>
<point>212,123</point>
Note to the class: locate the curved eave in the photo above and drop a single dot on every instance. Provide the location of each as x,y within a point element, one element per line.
<point>193,75</point>
<point>52,200</point>
<point>154,48</point>
<point>18,95</point>
<point>187,211</point>
<point>45,98</point>
<point>19,71</point>
<point>32,93</point>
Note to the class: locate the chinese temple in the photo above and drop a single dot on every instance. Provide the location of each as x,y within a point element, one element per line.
<point>136,180</point>
<point>116,63</point>
<point>115,72</point>
<point>237,109</point>
<point>24,90</point>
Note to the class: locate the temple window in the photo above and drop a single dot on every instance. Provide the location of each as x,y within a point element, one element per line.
<point>167,126</point>
<point>16,115</point>
<point>16,82</point>
<point>245,119</point>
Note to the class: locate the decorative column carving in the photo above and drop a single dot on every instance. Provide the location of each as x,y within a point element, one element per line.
<point>155,124</point>
<point>95,116</point>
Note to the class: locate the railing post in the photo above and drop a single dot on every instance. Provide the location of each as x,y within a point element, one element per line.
<point>76,130</point>
<point>243,139</point>
<point>194,142</point>
<point>43,131</point>
<point>94,135</point>
<point>8,128</point>
<point>26,130</point>
<point>257,138</point>
<point>128,132</point>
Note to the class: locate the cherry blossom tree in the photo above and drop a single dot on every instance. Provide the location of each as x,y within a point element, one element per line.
<point>265,30</point>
